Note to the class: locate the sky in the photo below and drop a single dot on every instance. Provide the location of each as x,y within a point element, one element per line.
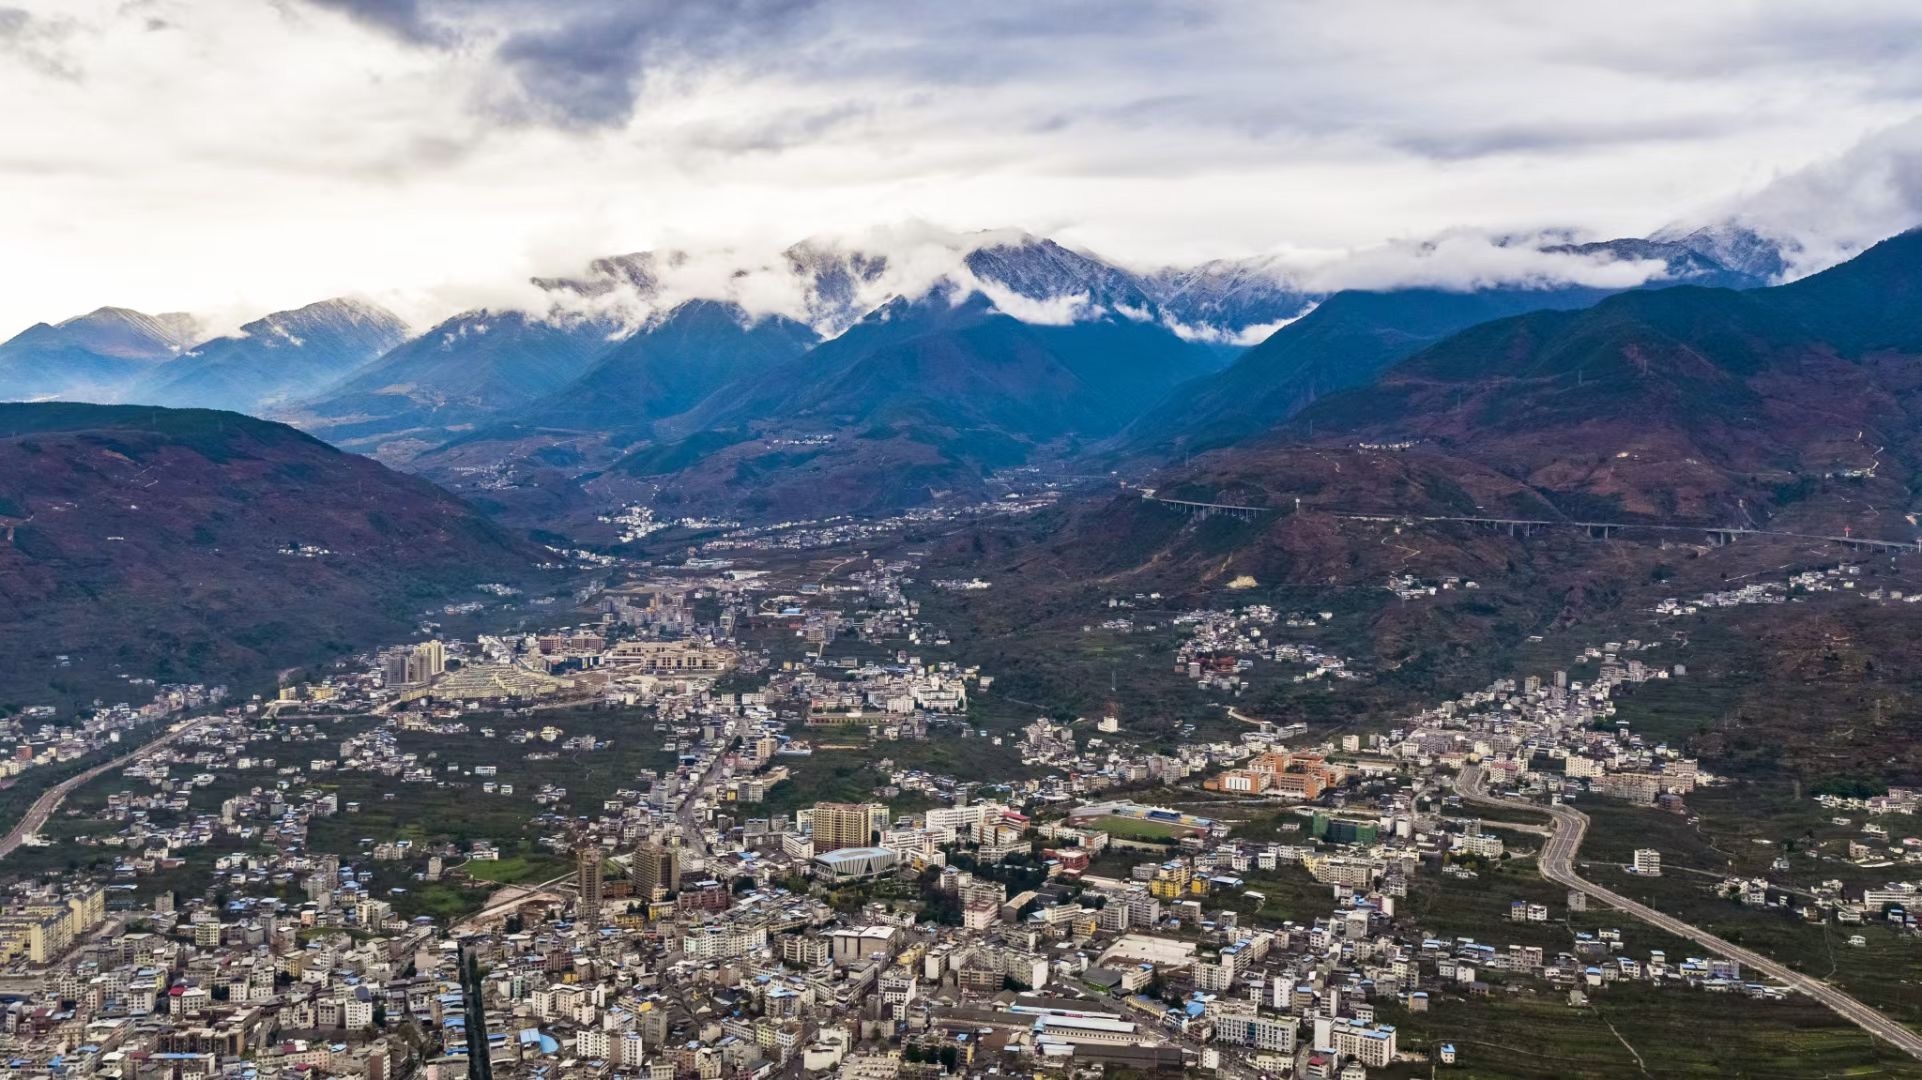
<point>231,157</point>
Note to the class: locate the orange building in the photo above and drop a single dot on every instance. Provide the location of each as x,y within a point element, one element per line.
<point>1301,776</point>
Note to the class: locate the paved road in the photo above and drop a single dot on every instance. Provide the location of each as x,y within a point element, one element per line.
<point>690,827</point>
<point>50,800</point>
<point>1558,865</point>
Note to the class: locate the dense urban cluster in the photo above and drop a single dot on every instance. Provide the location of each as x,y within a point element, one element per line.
<point>702,916</point>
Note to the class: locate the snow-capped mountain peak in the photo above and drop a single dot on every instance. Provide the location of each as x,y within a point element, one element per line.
<point>1735,246</point>
<point>328,320</point>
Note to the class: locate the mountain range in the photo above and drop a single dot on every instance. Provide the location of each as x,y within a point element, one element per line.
<point>1690,403</point>
<point>672,366</point>
<point>1351,337</point>
<point>1000,349</point>
<point>1795,408</point>
<point>472,368</point>
<point>90,355</point>
<point>273,360</point>
<point>1791,407</point>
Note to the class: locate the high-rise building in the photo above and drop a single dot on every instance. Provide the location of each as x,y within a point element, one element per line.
<point>655,871</point>
<point>844,825</point>
<point>588,862</point>
<point>412,667</point>
<point>428,660</point>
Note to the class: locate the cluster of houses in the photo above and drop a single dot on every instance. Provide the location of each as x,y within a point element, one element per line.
<point>1221,645</point>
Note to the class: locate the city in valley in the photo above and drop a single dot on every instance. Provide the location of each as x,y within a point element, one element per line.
<point>806,539</point>
<point>762,813</point>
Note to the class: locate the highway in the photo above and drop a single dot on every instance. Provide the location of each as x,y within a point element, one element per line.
<point>50,800</point>
<point>1721,534</point>
<point>1558,865</point>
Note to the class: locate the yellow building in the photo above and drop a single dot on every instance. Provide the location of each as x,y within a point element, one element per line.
<point>1171,882</point>
<point>844,825</point>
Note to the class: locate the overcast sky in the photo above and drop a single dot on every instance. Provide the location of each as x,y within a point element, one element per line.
<point>234,156</point>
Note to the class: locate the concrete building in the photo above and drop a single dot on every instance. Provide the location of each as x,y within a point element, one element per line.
<point>855,863</point>
<point>843,825</point>
<point>588,867</point>
<point>655,871</point>
<point>848,947</point>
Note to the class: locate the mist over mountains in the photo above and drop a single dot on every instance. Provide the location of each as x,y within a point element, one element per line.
<point>830,284</point>
<point>927,358</point>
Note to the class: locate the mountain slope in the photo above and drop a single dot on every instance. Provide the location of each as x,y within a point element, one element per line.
<point>669,367</point>
<point>1734,246</point>
<point>466,371</point>
<point>1872,302</point>
<point>1229,299</point>
<point>286,355</point>
<point>919,397</point>
<point>1794,409</point>
<point>1042,270</point>
<point>152,543</point>
<point>1684,262</point>
<point>1353,336</point>
<point>1689,403</point>
<point>1344,342</point>
<point>91,355</point>
<point>967,367</point>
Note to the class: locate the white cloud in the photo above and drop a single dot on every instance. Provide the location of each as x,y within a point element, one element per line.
<point>437,153</point>
<point>1252,334</point>
<point>1832,210</point>
<point>1462,260</point>
<point>1064,310</point>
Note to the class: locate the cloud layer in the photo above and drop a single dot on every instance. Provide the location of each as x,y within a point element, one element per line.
<point>240,157</point>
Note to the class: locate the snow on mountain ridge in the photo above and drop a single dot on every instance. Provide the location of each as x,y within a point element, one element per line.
<point>129,334</point>
<point>1735,246</point>
<point>336,318</point>
<point>830,282</point>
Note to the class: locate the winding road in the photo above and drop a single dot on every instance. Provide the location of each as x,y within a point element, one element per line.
<point>1557,864</point>
<point>50,800</point>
